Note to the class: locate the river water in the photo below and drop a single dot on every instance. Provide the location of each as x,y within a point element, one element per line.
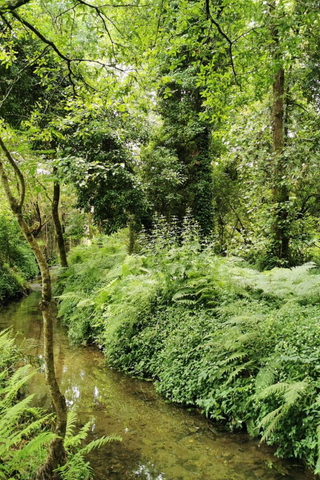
<point>161,441</point>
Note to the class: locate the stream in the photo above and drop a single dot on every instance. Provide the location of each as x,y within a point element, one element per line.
<point>161,441</point>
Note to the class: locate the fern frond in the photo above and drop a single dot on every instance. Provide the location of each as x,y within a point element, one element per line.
<point>272,420</point>
<point>32,447</point>
<point>294,392</point>
<point>75,440</point>
<point>266,375</point>
<point>276,388</point>
<point>238,370</point>
<point>71,423</point>
<point>100,442</point>
<point>235,356</point>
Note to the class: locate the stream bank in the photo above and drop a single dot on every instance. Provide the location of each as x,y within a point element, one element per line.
<point>161,441</point>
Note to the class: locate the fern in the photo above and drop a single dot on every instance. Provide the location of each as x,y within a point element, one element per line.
<point>290,393</point>
<point>76,466</point>
<point>266,375</point>
<point>317,469</point>
<point>23,443</point>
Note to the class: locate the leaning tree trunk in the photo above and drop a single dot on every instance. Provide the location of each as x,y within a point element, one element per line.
<point>57,223</point>
<point>57,455</point>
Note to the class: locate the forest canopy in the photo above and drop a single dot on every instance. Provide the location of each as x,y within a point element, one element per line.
<point>159,108</point>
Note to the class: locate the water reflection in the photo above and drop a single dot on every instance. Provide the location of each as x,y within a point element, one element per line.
<point>160,441</point>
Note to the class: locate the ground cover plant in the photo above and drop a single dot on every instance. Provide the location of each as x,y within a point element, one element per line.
<point>209,331</point>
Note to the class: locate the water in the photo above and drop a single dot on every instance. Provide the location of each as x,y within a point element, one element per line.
<point>161,441</point>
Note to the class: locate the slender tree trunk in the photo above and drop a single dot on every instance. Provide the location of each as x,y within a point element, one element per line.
<point>57,223</point>
<point>280,190</point>
<point>132,234</point>
<point>90,226</point>
<point>57,455</point>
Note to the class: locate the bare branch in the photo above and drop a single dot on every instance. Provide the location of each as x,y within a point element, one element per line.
<point>253,29</point>
<point>158,24</point>
<point>42,37</point>
<point>45,190</point>
<point>6,22</point>
<point>69,61</point>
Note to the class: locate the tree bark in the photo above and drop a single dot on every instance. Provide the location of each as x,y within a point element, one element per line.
<point>57,223</point>
<point>281,236</point>
<point>57,455</point>
<point>90,226</point>
<point>132,234</point>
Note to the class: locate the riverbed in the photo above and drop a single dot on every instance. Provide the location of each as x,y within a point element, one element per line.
<point>161,441</point>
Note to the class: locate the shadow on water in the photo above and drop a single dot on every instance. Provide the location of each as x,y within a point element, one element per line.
<point>161,441</point>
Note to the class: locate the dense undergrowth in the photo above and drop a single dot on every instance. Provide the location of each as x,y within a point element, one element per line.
<point>17,263</point>
<point>240,344</point>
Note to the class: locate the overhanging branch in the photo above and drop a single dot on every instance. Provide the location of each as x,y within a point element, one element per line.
<point>11,5</point>
<point>225,36</point>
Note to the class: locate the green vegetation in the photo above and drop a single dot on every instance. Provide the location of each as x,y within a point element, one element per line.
<point>204,106</point>
<point>211,332</point>
<point>17,263</point>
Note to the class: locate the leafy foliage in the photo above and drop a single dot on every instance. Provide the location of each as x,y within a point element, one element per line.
<point>17,263</point>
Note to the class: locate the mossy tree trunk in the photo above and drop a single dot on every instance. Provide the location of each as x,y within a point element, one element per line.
<point>280,225</point>
<point>57,455</point>
<point>280,190</point>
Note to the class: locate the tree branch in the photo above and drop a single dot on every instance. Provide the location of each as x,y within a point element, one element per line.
<point>45,190</point>
<point>64,57</point>
<point>225,36</point>
<point>19,175</point>
<point>11,5</point>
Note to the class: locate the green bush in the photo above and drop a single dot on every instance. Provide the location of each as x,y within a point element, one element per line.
<point>240,344</point>
<point>12,283</point>
<point>17,262</point>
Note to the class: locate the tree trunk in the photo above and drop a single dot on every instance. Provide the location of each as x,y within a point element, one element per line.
<point>57,455</point>
<point>90,226</point>
<point>57,223</point>
<point>280,228</point>
<point>280,190</point>
<point>132,234</point>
